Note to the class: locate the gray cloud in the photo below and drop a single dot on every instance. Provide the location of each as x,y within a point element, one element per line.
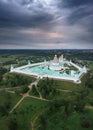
<point>14,16</point>
<point>74,3</point>
<point>80,17</point>
<point>49,23</point>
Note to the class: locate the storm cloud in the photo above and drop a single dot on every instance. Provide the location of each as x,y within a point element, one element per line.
<point>46,24</point>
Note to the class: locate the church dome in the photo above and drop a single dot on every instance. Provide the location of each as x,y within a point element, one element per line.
<point>55,65</point>
<point>55,60</point>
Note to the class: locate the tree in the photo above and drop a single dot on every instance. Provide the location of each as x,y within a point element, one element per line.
<point>43,122</point>
<point>47,88</point>
<point>24,89</point>
<point>1,78</point>
<point>34,91</point>
<point>13,79</point>
<point>67,108</point>
<point>2,72</point>
<point>3,110</point>
<point>12,123</point>
<point>80,103</point>
<point>89,80</point>
<point>85,122</point>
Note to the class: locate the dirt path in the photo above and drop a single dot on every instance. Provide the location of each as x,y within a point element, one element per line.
<point>62,90</point>
<point>89,107</point>
<point>33,122</point>
<point>23,95</point>
<point>38,92</point>
<point>30,87</point>
<point>90,97</point>
<point>35,118</point>
<point>10,91</point>
<point>43,99</point>
<point>35,84</point>
<point>27,95</point>
<point>7,88</point>
<point>17,104</point>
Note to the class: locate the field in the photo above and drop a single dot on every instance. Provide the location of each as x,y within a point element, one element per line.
<point>52,104</point>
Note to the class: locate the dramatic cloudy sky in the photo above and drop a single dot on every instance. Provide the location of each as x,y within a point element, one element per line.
<point>46,24</point>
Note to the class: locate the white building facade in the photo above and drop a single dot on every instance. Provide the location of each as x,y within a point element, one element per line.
<point>58,68</point>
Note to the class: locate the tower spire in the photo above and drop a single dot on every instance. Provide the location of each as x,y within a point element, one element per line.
<point>11,68</point>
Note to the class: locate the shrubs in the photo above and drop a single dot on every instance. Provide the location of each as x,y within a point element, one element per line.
<point>24,89</point>
<point>85,122</point>
<point>47,88</point>
<point>89,80</point>
<point>2,72</point>
<point>34,91</point>
<point>13,79</point>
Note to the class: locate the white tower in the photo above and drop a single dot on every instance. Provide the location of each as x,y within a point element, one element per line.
<point>45,62</point>
<point>11,68</point>
<point>61,58</point>
<point>29,62</point>
<point>84,69</point>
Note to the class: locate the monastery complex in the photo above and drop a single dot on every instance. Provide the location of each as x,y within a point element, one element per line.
<point>58,68</point>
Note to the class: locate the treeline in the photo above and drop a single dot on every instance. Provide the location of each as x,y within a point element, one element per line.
<point>9,62</point>
<point>89,80</point>
<point>5,104</point>
<point>14,79</point>
<point>2,72</point>
<point>47,88</point>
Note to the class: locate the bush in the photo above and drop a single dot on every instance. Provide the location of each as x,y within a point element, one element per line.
<point>13,79</point>
<point>24,89</point>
